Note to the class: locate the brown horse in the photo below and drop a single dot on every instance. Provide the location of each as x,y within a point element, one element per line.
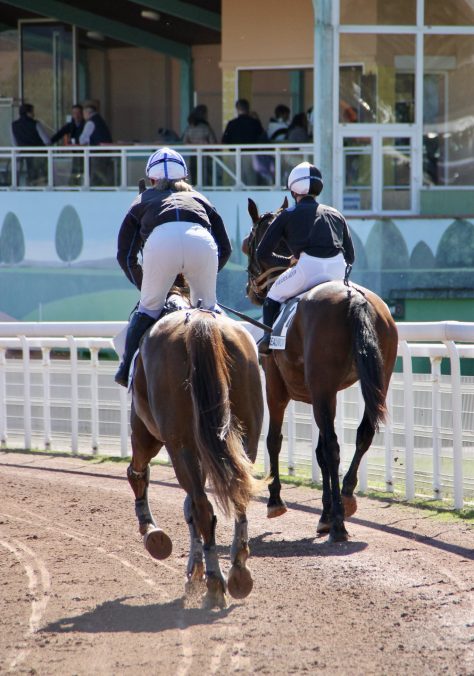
<point>341,333</point>
<point>197,391</point>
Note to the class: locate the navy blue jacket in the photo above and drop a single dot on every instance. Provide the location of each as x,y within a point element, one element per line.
<point>152,208</point>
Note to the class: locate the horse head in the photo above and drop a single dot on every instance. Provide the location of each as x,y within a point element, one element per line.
<point>258,279</point>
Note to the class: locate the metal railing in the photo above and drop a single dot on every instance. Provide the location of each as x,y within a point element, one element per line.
<point>110,167</point>
<point>57,391</point>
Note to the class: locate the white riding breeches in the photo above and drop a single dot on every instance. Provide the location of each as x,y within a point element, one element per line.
<point>173,248</point>
<point>308,272</point>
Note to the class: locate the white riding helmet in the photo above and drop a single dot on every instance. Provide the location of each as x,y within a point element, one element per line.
<point>305,179</point>
<point>166,163</point>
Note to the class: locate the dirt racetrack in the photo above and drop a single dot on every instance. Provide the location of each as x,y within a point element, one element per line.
<point>80,595</point>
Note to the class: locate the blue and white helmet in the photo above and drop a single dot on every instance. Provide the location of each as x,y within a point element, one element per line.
<point>305,179</point>
<point>166,163</point>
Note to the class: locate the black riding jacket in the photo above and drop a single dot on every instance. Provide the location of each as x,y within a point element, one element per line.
<point>308,227</point>
<point>152,208</point>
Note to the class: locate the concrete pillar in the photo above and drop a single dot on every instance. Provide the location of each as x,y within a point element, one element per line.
<point>323,104</point>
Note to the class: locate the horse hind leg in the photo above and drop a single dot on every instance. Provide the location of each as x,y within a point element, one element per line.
<point>325,521</point>
<point>364,438</point>
<point>239,582</point>
<point>195,569</point>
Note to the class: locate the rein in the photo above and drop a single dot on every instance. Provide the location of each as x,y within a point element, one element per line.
<point>265,279</point>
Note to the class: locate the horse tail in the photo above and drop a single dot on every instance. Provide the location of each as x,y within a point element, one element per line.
<point>218,438</point>
<point>368,358</point>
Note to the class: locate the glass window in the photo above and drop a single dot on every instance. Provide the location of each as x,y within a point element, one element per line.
<point>396,195</point>
<point>357,194</point>
<point>47,71</point>
<point>376,79</point>
<point>373,12</point>
<point>448,105</point>
<point>8,81</point>
<point>459,13</point>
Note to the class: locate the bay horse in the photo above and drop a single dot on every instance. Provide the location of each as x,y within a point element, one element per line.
<point>341,333</point>
<point>197,391</point>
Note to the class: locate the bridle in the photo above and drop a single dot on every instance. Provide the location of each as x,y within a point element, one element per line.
<point>259,281</point>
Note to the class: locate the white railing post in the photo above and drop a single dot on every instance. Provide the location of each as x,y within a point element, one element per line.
<point>457,423</point>
<point>74,395</point>
<point>50,168</point>
<point>14,166</point>
<point>291,426</point>
<point>94,351</point>
<point>3,399</point>
<point>388,441</point>
<point>315,469</point>
<point>123,169</point>
<point>123,422</point>
<point>436,423</point>
<point>87,168</point>
<point>339,424</point>
<point>46,366</point>
<point>408,404</point>
<point>26,391</point>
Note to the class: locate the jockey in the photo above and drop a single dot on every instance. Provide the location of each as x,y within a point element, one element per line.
<point>318,238</point>
<point>179,231</point>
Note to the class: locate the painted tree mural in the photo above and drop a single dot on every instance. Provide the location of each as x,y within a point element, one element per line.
<point>12,241</point>
<point>69,238</point>
<point>386,248</point>
<point>456,246</point>
<point>422,258</point>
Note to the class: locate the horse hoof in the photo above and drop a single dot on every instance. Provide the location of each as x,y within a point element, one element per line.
<point>216,596</point>
<point>323,527</point>
<point>340,536</point>
<point>350,505</point>
<point>239,583</point>
<point>158,544</point>
<point>276,510</point>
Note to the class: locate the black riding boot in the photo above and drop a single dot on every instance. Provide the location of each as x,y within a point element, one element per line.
<point>270,311</point>
<point>139,323</point>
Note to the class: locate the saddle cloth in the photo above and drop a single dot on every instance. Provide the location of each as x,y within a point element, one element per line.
<point>283,322</point>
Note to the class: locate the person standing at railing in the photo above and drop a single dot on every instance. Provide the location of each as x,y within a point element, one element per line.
<point>71,133</point>
<point>199,132</point>
<point>29,132</point>
<point>180,232</point>
<point>73,129</point>
<point>96,133</point>
<point>245,128</point>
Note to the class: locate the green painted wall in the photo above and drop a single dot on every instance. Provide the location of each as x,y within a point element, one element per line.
<point>449,203</point>
<point>439,310</point>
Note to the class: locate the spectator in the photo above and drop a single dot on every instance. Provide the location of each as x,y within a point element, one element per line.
<point>244,128</point>
<point>298,129</point>
<point>95,130</point>
<point>198,130</point>
<point>72,129</point>
<point>29,132</point>
<point>278,126</point>
<point>96,133</point>
<point>26,130</point>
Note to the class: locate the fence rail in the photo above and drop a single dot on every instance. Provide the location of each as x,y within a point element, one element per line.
<point>57,391</point>
<point>110,167</point>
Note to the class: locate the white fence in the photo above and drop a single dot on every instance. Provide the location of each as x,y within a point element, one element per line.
<point>57,391</point>
<point>111,167</point>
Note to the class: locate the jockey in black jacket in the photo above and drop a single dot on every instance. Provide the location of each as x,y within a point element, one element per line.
<point>316,235</point>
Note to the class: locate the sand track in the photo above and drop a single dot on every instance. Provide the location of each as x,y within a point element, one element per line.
<point>80,595</point>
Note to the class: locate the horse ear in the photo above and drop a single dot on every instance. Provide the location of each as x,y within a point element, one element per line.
<point>253,210</point>
<point>285,203</point>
